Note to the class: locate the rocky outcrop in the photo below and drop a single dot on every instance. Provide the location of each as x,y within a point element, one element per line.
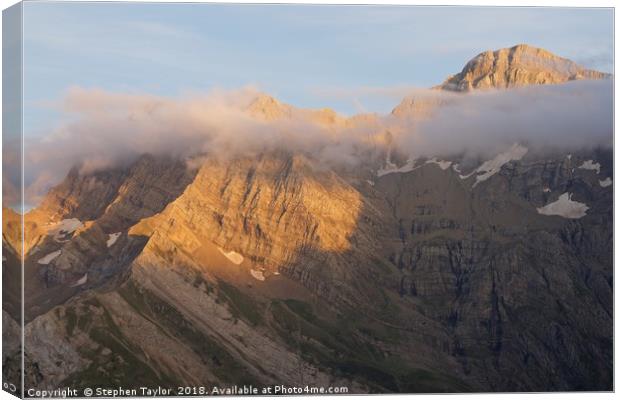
<point>50,352</point>
<point>520,65</point>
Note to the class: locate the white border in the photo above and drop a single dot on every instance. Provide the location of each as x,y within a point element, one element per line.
<point>564,3</point>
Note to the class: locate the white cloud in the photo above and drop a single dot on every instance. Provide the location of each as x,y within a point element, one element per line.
<point>113,128</point>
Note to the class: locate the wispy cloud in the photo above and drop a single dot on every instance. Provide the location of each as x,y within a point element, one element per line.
<point>110,128</point>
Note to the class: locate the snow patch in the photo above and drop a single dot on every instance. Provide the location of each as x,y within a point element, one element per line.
<point>371,183</point>
<point>591,165</point>
<point>564,207</point>
<point>569,156</point>
<point>112,238</point>
<point>81,281</point>
<point>468,175</point>
<point>64,227</point>
<point>441,163</point>
<point>492,167</point>
<point>49,258</point>
<point>233,256</point>
<point>606,182</point>
<point>258,275</point>
<point>391,168</point>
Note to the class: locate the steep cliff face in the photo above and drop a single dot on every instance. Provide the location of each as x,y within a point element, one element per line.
<point>117,197</point>
<point>151,183</point>
<point>111,199</point>
<point>510,285</point>
<point>279,212</point>
<point>520,65</point>
<point>76,239</point>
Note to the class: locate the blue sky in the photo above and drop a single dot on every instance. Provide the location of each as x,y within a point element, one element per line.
<point>350,58</point>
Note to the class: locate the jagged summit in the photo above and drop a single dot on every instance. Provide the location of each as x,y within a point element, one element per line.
<point>269,108</point>
<point>520,65</point>
<point>517,66</point>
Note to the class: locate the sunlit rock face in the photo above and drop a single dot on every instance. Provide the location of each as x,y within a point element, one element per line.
<point>285,213</point>
<point>520,65</point>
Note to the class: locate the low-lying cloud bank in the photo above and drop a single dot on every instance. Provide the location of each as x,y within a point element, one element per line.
<point>571,116</point>
<point>109,129</point>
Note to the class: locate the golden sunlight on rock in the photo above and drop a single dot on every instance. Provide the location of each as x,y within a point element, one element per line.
<point>270,210</point>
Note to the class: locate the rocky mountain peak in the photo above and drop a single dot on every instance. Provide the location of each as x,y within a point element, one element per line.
<point>268,108</point>
<point>520,65</point>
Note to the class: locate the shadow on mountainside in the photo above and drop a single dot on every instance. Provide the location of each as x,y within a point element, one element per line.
<point>434,288</point>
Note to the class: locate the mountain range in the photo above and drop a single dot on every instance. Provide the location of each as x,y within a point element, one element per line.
<point>402,275</point>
